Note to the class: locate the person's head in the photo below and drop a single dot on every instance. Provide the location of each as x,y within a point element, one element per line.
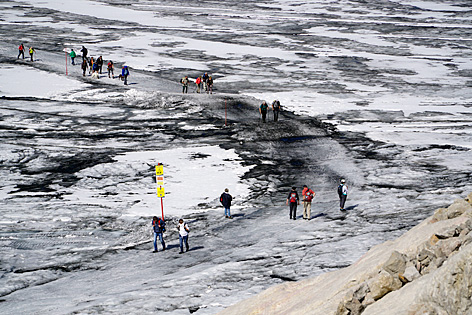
<point>154,218</point>
<point>226,190</point>
<point>305,186</point>
<point>343,181</point>
<point>72,49</point>
<point>181,221</point>
<point>294,188</point>
<point>263,102</point>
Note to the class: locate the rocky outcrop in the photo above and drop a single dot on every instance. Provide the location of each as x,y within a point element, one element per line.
<point>428,270</point>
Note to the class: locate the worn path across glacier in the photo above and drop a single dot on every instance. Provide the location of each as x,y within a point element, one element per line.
<point>101,261</point>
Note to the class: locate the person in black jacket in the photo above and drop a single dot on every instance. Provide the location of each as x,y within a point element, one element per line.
<point>158,227</point>
<point>225,200</point>
<point>293,200</point>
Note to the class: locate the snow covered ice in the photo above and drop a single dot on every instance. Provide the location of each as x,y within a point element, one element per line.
<point>375,92</point>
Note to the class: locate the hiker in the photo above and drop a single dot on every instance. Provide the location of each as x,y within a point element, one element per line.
<point>263,110</point>
<point>72,56</point>
<point>84,52</point>
<point>308,196</point>
<point>110,69</point>
<point>276,109</point>
<point>100,64</point>
<point>91,62</point>
<point>205,81</point>
<point>184,82</point>
<point>183,235</point>
<point>95,68</point>
<point>125,74</point>
<point>158,227</point>
<point>210,85</point>
<point>21,51</point>
<point>198,82</point>
<point>225,200</point>
<point>31,52</point>
<point>84,66</point>
<point>293,200</point>
<point>342,192</point>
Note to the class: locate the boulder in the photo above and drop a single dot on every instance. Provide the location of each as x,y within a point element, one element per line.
<point>396,264</point>
<point>449,245</point>
<point>383,284</point>
<point>411,273</point>
<point>458,208</point>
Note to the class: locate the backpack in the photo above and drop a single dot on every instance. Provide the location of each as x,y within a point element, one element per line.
<point>163,225</point>
<point>308,196</point>
<point>340,190</point>
<point>293,197</point>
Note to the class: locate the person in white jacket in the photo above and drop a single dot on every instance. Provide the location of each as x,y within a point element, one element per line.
<point>183,235</point>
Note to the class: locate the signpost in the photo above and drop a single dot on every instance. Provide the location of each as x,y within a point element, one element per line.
<point>160,185</point>
<point>67,52</point>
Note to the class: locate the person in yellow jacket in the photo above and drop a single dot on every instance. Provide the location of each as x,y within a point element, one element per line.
<point>31,52</point>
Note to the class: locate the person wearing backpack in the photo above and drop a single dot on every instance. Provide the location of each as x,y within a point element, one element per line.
<point>72,56</point>
<point>158,227</point>
<point>263,110</point>
<point>110,69</point>
<point>21,51</point>
<point>84,52</point>
<point>125,74</point>
<point>183,235</point>
<point>342,193</point>
<point>293,200</point>
<point>84,66</point>
<point>308,196</point>
<point>225,200</point>
<point>184,82</point>
<point>276,108</point>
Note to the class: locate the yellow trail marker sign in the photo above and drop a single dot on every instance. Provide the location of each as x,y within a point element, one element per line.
<point>160,180</point>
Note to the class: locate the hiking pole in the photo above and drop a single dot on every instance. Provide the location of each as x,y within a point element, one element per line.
<point>226,114</point>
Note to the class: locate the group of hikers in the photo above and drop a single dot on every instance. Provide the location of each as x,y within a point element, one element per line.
<point>307,196</point>
<point>95,66</point>
<point>293,201</point>
<point>21,51</point>
<point>276,108</point>
<point>203,83</point>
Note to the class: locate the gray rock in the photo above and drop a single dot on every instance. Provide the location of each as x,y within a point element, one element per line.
<point>449,245</point>
<point>458,208</point>
<point>396,264</point>
<point>411,273</point>
<point>383,283</point>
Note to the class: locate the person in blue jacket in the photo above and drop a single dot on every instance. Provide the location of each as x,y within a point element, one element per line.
<point>125,74</point>
<point>225,200</point>
<point>158,227</point>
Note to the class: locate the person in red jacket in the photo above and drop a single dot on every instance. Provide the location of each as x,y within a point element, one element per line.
<point>21,51</point>
<point>308,196</point>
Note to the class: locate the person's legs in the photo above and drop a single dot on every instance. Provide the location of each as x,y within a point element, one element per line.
<point>308,211</point>
<point>181,244</point>
<point>161,238</point>
<point>293,210</point>
<point>264,114</point>
<point>126,80</point>
<point>228,212</point>
<point>155,241</point>
<point>276,115</point>
<point>305,205</point>
<point>342,201</point>
<point>186,243</point>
